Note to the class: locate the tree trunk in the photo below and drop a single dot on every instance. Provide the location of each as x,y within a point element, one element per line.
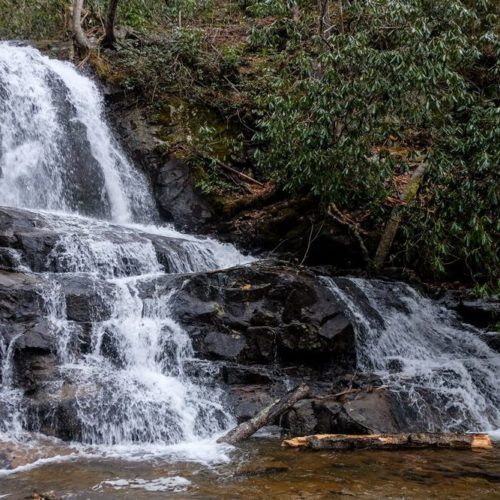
<point>325,23</point>
<point>265,416</point>
<point>109,38</point>
<point>394,221</point>
<point>80,37</point>
<point>390,441</point>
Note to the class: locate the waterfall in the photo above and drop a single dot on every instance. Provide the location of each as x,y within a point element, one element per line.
<point>106,278</point>
<point>56,150</point>
<point>441,372</point>
<point>59,159</point>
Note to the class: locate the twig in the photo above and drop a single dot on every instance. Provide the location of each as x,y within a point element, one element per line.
<point>311,240</point>
<point>233,170</point>
<point>334,212</point>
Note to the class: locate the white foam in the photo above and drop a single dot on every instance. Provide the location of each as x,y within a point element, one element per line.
<point>172,483</point>
<point>494,435</point>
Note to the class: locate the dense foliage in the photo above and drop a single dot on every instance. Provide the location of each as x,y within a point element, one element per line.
<point>392,84</point>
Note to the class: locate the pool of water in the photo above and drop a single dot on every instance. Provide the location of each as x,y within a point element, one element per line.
<point>261,468</point>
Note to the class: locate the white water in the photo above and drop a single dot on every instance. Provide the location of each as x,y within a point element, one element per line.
<point>59,158</point>
<point>444,375</point>
<point>40,99</point>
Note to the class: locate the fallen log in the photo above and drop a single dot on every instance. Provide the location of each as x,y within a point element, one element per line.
<point>265,416</point>
<point>390,441</point>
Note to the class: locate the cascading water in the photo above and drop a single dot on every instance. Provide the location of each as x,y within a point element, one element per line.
<point>59,158</point>
<point>444,376</point>
<point>56,151</point>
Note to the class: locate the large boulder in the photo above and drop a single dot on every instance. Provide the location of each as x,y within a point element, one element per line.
<point>267,314</point>
<point>363,412</point>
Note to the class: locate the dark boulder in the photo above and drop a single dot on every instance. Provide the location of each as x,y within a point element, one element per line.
<point>364,412</point>
<point>492,339</point>
<point>266,314</point>
<point>480,312</point>
<point>178,198</point>
<point>86,298</point>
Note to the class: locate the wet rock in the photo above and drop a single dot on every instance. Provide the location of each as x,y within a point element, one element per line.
<point>483,313</point>
<point>233,374</point>
<point>37,242</point>
<point>220,345</point>
<point>86,299</point>
<point>177,197</point>
<point>266,314</point>
<point>301,419</point>
<point>480,312</point>
<point>492,339</point>
<point>20,301</point>
<point>53,410</point>
<point>373,410</point>
<point>318,416</point>
<point>360,413</point>
<point>246,401</point>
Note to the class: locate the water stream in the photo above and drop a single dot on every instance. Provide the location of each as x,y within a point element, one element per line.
<point>444,376</point>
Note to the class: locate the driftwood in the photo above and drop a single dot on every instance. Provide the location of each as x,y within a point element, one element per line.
<point>265,416</point>
<point>390,441</point>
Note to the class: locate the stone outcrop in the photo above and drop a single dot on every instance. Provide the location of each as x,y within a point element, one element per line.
<point>33,241</point>
<point>257,330</point>
<point>178,199</point>
<point>266,314</point>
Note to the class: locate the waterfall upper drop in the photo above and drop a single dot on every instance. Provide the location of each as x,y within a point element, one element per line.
<point>56,150</point>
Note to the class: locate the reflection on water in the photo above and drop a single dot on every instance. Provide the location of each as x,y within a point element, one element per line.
<point>262,468</point>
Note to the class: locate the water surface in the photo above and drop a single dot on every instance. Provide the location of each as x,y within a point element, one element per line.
<point>261,468</point>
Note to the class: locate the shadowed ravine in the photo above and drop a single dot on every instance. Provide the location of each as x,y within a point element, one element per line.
<point>122,339</point>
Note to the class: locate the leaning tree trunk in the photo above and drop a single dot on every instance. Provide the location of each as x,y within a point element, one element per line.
<point>80,37</point>
<point>109,38</point>
<point>265,416</point>
<point>392,226</point>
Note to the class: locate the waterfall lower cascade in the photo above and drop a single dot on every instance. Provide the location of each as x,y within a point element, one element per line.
<point>60,164</point>
<point>444,376</point>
